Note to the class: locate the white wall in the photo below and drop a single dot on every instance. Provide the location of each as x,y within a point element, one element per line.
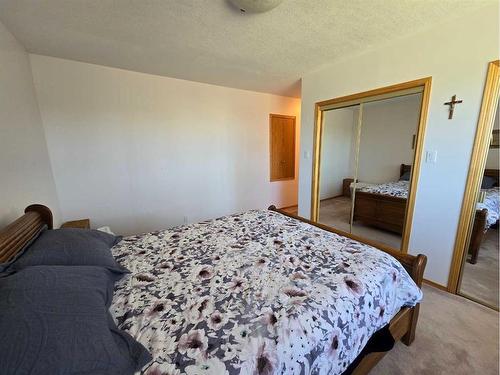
<point>26,176</point>
<point>386,138</point>
<point>337,151</point>
<point>457,64</point>
<point>141,152</point>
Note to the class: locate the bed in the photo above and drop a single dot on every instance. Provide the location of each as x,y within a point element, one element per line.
<point>487,215</point>
<point>258,292</point>
<point>383,205</point>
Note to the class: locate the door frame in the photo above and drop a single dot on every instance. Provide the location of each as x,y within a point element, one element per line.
<point>362,97</point>
<point>288,117</point>
<point>491,96</point>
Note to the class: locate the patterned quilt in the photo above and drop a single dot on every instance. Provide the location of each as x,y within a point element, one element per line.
<point>394,189</point>
<point>255,293</point>
<point>492,204</point>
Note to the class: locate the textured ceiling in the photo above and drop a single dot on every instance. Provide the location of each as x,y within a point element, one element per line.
<point>211,41</point>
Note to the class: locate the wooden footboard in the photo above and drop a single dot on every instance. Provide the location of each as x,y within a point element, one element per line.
<point>404,324</point>
<point>380,211</point>
<point>414,264</point>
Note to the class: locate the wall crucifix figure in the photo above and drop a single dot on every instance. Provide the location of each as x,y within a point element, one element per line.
<point>452,105</point>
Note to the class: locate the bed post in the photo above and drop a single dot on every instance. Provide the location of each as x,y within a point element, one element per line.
<point>44,213</point>
<point>15,236</point>
<point>409,337</point>
<point>417,274</point>
<point>477,235</point>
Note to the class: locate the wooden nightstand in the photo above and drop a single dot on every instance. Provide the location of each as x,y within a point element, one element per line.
<point>346,187</point>
<point>81,224</point>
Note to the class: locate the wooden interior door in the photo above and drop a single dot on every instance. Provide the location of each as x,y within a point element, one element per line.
<point>282,147</point>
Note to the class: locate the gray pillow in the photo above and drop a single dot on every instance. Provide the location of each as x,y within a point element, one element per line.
<point>55,320</point>
<point>488,182</point>
<point>70,247</point>
<point>405,176</point>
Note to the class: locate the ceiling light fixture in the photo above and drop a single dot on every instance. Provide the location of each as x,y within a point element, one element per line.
<point>256,6</point>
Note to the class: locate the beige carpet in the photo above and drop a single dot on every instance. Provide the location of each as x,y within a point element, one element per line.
<point>480,280</point>
<point>454,336</point>
<point>336,213</point>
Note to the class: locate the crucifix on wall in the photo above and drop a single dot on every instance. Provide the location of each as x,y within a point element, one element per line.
<point>452,103</point>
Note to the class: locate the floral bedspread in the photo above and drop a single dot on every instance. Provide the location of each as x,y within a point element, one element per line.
<point>394,189</point>
<point>255,293</point>
<point>492,204</point>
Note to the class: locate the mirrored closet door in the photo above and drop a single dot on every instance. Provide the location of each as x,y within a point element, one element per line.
<point>386,153</point>
<point>365,149</point>
<point>338,166</point>
<point>479,279</point>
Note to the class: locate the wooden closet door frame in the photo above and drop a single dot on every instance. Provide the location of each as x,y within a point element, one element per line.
<point>377,94</point>
<point>491,96</point>
<point>294,118</point>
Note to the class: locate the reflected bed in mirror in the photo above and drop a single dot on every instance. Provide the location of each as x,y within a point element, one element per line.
<point>382,206</point>
<point>368,143</point>
<point>475,273</point>
<point>480,275</point>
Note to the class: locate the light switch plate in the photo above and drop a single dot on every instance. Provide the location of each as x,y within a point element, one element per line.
<point>431,157</point>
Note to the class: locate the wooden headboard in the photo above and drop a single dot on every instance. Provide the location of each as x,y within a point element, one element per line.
<point>494,173</point>
<point>17,234</point>
<point>404,168</point>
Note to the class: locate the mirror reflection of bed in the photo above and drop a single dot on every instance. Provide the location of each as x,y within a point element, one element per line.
<point>366,223</point>
<point>374,141</point>
<point>480,272</point>
<point>382,206</point>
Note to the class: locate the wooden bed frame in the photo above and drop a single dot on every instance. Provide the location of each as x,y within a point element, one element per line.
<point>404,324</point>
<point>381,211</point>
<point>15,236</point>
<point>19,233</point>
<point>386,212</point>
<point>479,228</point>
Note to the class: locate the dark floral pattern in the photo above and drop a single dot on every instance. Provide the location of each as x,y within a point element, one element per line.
<point>255,293</point>
<point>397,189</point>
<point>492,203</point>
